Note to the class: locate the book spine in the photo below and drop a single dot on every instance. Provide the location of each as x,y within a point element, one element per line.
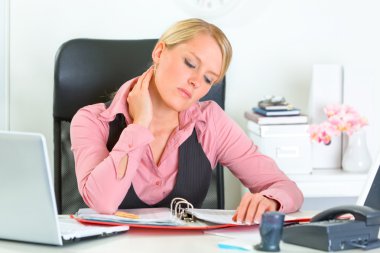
<point>276,113</point>
<point>276,108</point>
<point>263,120</point>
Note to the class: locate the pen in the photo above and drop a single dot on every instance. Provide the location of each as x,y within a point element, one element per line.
<point>235,244</point>
<point>126,215</point>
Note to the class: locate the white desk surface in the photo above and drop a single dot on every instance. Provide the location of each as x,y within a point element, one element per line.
<point>144,241</point>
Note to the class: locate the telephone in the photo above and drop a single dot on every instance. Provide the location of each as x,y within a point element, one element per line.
<point>330,231</point>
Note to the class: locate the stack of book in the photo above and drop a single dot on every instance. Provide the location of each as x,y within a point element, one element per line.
<point>267,113</point>
<point>281,132</point>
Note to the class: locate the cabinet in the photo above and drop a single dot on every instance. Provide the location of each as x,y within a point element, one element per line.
<point>329,185</point>
<point>288,145</point>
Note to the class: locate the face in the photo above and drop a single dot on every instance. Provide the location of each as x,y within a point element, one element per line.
<point>187,71</point>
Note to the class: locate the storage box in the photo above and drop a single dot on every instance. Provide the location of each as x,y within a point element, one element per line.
<point>288,145</point>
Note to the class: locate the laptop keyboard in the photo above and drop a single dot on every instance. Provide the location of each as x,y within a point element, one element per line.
<point>72,229</point>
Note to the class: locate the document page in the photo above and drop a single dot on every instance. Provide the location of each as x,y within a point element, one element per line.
<point>216,216</point>
<point>146,216</point>
<point>219,216</point>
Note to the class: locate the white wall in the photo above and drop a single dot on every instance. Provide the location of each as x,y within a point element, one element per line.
<point>275,45</point>
<point>4,64</point>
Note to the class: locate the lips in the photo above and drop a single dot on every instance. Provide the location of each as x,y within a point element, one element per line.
<point>185,93</point>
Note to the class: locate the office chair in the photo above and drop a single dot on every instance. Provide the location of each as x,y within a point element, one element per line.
<point>86,72</point>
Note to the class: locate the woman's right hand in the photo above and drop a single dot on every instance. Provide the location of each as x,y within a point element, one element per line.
<point>139,102</point>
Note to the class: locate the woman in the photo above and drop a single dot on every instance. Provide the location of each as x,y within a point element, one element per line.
<point>167,129</point>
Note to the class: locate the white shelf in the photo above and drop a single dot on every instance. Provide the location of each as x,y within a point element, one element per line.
<point>329,183</point>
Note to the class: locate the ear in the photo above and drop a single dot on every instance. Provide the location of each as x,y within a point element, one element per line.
<point>157,51</point>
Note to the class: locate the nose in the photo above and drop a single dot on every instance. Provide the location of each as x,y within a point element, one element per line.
<point>195,81</point>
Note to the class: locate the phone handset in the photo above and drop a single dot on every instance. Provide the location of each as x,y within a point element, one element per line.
<point>361,213</point>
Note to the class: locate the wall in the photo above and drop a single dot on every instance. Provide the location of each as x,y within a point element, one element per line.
<point>4,64</point>
<point>275,45</point>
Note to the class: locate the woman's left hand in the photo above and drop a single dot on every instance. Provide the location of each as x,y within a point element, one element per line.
<point>252,206</point>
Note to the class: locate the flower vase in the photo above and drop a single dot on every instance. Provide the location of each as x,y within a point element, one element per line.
<point>356,157</point>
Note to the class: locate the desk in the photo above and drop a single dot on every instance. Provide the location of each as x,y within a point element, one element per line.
<point>144,241</point>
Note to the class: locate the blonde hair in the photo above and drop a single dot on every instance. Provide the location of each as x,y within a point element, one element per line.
<point>187,29</point>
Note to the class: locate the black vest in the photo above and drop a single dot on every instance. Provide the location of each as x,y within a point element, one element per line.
<point>193,177</point>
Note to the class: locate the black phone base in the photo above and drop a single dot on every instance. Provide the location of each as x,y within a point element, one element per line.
<point>328,232</point>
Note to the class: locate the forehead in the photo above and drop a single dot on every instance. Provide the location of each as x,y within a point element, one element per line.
<point>204,47</point>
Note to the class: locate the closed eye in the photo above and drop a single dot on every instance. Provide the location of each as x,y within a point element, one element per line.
<point>189,64</point>
<point>208,80</point>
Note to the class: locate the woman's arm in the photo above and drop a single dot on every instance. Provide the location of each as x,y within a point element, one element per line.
<point>96,167</point>
<point>235,150</point>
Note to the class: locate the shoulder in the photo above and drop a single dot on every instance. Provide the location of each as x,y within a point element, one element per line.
<point>210,107</point>
<point>89,112</point>
<point>88,121</point>
<point>216,121</point>
<point>87,126</point>
<point>212,113</point>
<point>213,119</point>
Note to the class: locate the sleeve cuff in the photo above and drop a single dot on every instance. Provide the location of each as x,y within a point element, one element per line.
<point>286,203</point>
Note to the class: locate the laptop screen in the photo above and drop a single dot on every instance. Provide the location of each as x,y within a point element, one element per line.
<point>27,208</point>
<point>370,196</point>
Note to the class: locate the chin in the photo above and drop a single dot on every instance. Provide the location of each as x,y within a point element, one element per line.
<point>180,106</point>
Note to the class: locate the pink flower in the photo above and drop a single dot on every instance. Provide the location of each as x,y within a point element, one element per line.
<point>340,119</point>
<point>322,132</point>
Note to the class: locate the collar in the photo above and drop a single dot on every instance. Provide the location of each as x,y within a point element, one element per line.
<point>192,116</point>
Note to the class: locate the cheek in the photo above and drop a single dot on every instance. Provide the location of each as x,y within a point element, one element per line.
<point>177,73</point>
<point>202,91</point>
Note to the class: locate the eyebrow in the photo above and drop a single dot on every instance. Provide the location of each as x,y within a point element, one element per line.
<point>199,59</point>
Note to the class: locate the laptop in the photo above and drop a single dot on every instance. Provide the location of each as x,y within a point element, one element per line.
<point>370,195</point>
<point>28,210</point>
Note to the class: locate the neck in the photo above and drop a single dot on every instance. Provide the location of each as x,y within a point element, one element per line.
<point>163,115</point>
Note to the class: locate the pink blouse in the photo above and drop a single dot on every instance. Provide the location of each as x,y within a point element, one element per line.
<point>222,140</point>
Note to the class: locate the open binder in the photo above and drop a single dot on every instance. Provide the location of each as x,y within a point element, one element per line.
<point>181,215</point>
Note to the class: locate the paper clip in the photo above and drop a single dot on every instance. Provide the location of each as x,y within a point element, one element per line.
<point>126,215</point>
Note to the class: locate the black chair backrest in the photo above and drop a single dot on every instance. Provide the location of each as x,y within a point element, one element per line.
<point>87,71</point>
